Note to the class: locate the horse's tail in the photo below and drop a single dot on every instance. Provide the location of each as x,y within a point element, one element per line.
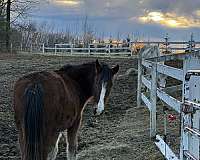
<point>33,122</point>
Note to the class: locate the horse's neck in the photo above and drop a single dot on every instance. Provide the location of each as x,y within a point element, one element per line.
<point>83,81</point>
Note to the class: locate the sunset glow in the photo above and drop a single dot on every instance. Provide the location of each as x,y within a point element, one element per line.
<point>68,2</point>
<point>151,18</point>
<point>198,13</point>
<point>170,20</point>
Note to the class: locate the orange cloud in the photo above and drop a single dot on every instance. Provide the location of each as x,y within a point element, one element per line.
<point>198,12</point>
<point>68,2</point>
<point>171,20</point>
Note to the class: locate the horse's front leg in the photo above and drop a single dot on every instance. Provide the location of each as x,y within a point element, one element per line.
<point>54,149</point>
<point>72,140</point>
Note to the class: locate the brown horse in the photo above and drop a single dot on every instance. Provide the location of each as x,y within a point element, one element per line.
<point>49,104</point>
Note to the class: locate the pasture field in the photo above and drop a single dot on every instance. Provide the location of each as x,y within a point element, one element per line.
<point>121,133</point>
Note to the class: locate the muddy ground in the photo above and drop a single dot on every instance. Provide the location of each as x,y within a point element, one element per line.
<point>121,133</point>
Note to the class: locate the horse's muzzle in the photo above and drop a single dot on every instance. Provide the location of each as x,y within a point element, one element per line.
<point>97,113</point>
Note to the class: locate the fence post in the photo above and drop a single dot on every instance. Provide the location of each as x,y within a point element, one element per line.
<point>11,47</point>
<point>43,48</point>
<point>21,47</point>
<point>89,48</point>
<point>109,48</point>
<point>71,48</point>
<point>31,49</point>
<point>184,137</point>
<point>194,95</point>
<point>153,99</point>
<point>139,87</point>
<point>190,92</point>
<point>55,48</point>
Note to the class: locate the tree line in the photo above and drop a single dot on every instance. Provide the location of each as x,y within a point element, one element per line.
<point>10,12</point>
<point>16,33</point>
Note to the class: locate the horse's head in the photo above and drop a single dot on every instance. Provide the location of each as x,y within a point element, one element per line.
<point>103,85</point>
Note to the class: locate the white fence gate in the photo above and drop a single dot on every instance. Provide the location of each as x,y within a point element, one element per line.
<point>188,107</point>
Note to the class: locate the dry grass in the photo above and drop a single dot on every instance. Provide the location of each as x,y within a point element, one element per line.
<point>120,134</point>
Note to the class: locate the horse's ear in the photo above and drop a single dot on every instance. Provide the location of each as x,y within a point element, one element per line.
<point>115,69</point>
<point>98,66</point>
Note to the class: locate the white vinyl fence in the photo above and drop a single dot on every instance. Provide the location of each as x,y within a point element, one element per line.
<point>92,49</point>
<point>188,107</point>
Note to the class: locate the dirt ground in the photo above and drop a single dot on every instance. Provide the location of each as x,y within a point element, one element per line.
<point>121,133</point>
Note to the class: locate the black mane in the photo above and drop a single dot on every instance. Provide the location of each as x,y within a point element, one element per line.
<point>106,73</point>
<point>83,75</point>
<point>66,67</point>
<point>69,67</point>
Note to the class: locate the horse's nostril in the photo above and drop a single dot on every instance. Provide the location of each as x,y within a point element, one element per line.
<point>95,111</point>
<point>102,112</point>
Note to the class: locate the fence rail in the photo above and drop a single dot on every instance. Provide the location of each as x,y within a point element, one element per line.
<point>119,47</point>
<point>188,108</point>
<point>108,47</point>
<point>72,50</point>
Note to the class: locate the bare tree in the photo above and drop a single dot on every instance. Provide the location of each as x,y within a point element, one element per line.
<point>10,11</point>
<point>8,25</point>
<point>2,23</point>
<point>88,33</point>
<point>2,6</point>
<point>20,8</point>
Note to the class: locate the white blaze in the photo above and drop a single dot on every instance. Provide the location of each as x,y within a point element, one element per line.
<point>100,105</point>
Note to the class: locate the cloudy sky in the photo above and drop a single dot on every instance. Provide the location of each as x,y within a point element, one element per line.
<point>146,19</point>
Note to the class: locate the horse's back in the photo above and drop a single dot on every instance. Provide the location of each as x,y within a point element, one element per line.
<point>57,96</point>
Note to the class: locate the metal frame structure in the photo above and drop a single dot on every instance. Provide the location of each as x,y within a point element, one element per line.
<point>188,107</point>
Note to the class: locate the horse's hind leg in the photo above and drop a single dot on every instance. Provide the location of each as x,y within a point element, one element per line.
<point>52,155</point>
<point>72,140</point>
<point>21,144</point>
